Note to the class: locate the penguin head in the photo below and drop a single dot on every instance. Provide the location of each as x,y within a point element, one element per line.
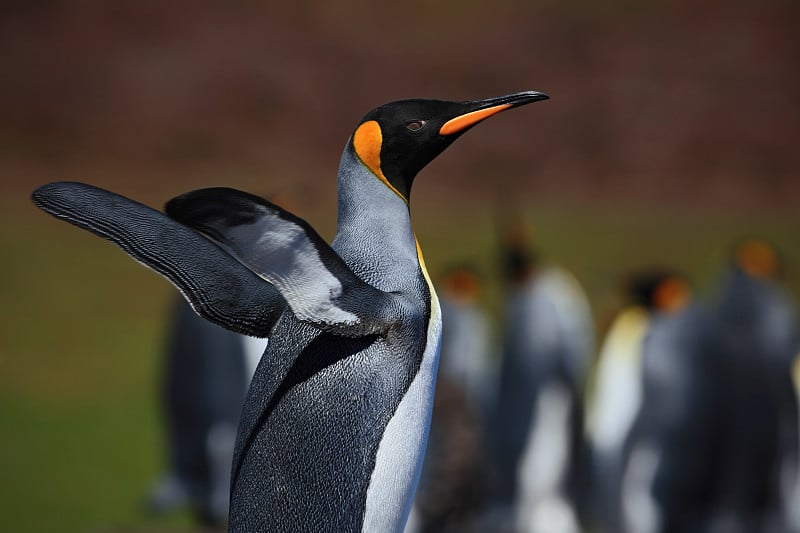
<point>396,140</point>
<point>757,258</point>
<point>661,290</point>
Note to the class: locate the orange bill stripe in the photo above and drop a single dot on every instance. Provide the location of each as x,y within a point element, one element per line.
<point>459,123</point>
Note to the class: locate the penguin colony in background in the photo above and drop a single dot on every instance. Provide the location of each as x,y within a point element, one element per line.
<point>334,425</point>
<point>695,420</point>
<point>206,374</point>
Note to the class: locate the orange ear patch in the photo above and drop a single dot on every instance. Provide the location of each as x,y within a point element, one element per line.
<point>454,125</point>
<point>367,142</point>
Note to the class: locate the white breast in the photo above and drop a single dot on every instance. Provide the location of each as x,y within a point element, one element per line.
<point>400,453</point>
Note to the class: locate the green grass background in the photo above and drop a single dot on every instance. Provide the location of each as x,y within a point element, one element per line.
<point>80,432</point>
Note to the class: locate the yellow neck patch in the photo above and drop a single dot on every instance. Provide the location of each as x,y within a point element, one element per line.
<point>420,258</point>
<point>367,141</point>
<point>434,298</point>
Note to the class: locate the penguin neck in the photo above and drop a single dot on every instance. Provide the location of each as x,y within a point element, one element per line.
<point>371,215</point>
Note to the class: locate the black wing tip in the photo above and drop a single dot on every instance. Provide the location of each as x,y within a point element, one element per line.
<point>215,202</point>
<point>55,187</point>
<point>45,195</point>
<point>39,194</point>
<point>175,207</point>
<point>187,206</point>
<point>46,190</point>
<point>180,202</point>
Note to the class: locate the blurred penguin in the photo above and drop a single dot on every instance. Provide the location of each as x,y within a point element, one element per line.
<point>547,349</point>
<point>755,339</point>
<point>665,456</point>
<point>615,397</point>
<point>206,375</point>
<point>465,358</point>
<point>453,485</point>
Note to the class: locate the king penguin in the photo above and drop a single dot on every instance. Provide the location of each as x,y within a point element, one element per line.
<point>548,343</point>
<point>756,334</point>
<point>335,422</point>
<point>641,361</point>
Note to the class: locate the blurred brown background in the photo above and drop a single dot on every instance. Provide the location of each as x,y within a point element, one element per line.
<point>680,102</point>
<point>673,128</point>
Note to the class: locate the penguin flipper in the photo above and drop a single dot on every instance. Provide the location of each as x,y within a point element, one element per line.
<point>285,250</point>
<point>218,287</point>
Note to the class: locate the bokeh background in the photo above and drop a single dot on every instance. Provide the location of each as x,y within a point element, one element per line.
<point>672,130</point>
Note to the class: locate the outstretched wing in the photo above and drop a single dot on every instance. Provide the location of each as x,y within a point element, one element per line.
<point>218,287</point>
<point>286,251</point>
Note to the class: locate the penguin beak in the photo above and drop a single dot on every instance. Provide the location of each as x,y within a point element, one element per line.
<point>480,110</point>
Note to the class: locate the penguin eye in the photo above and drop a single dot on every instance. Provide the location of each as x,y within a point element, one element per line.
<point>415,125</point>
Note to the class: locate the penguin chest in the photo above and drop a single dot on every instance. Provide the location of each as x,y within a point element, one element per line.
<point>312,460</point>
<point>401,450</point>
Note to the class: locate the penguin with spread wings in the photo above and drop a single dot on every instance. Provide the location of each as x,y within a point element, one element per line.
<point>334,425</point>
